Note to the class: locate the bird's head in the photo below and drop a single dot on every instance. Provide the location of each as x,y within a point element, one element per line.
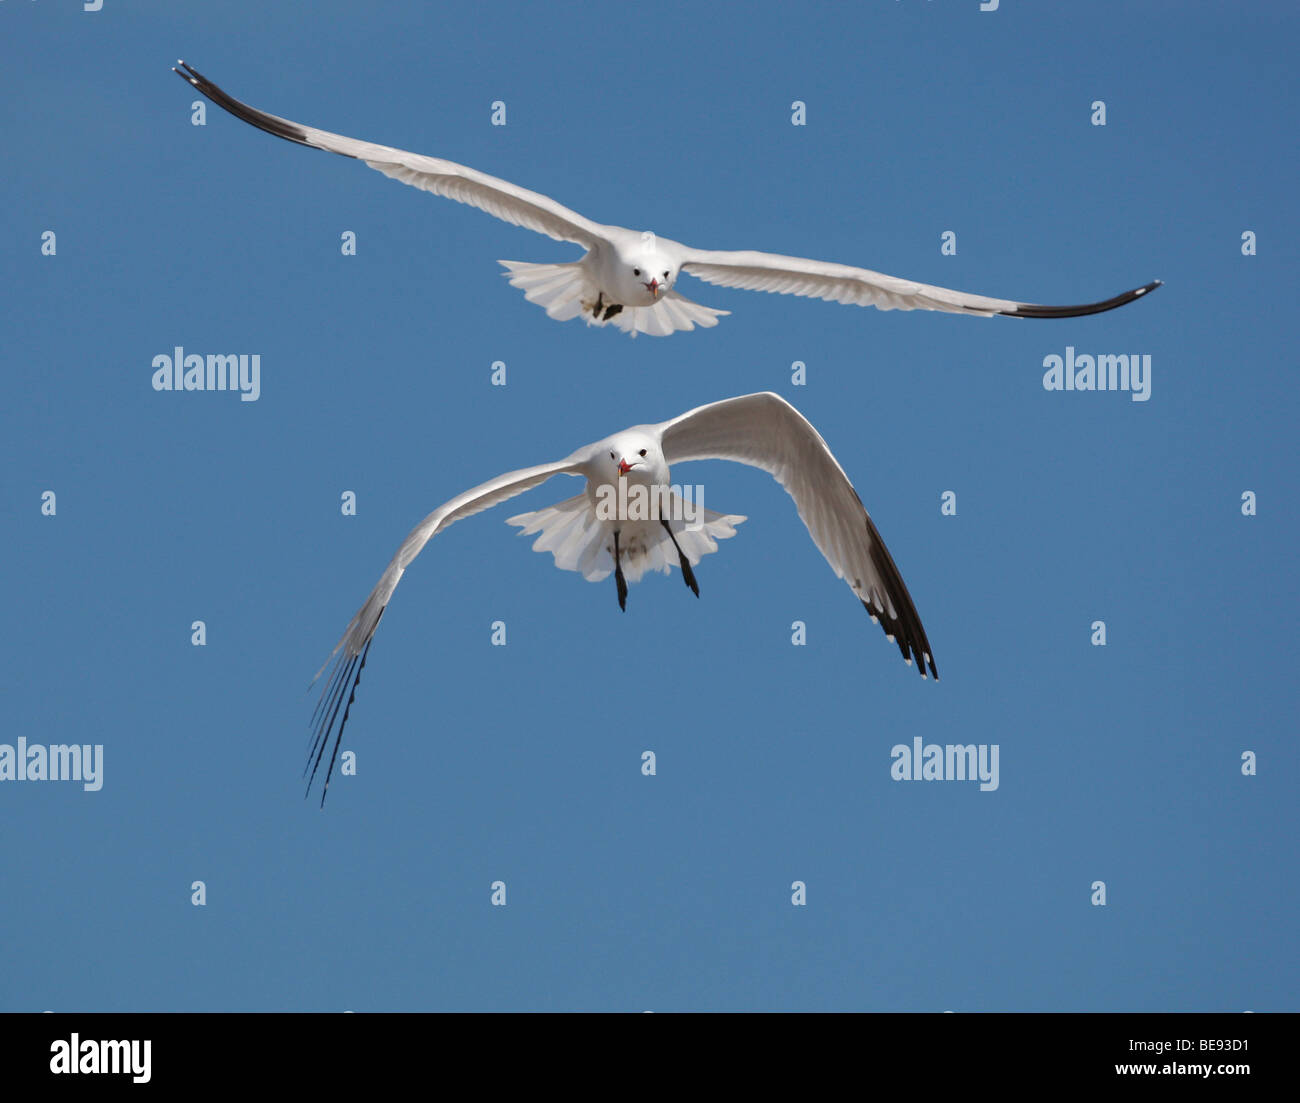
<point>637,458</point>
<point>647,274</point>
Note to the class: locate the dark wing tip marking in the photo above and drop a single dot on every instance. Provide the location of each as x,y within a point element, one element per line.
<point>1033,310</point>
<point>281,128</point>
<point>343,682</point>
<point>905,627</point>
<point>906,631</point>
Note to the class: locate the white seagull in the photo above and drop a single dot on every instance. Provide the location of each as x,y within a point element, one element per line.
<point>627,277</point>
<point>630,519</point>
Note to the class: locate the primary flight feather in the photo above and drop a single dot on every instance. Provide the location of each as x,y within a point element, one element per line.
<point>628,278</point>
<point>630,519</point>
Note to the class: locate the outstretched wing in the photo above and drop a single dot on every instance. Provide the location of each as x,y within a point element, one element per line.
<point>349,654</point>
<point>842,283</point>
<point>765,431</point>
<point>500,198</point>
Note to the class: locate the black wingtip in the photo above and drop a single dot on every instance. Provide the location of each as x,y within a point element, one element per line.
<point>272,124</point>
<point>907,634</point>
<point>1034,310</point>
<point>339,693</point>
<point>903,627</point>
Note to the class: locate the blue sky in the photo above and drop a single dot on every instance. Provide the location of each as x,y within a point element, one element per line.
<point>521,763</point>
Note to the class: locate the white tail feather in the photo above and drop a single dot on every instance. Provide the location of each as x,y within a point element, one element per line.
<point>564,292</point>
<point>581,542</point>
<point>559,289</point>
<point>671,313</point>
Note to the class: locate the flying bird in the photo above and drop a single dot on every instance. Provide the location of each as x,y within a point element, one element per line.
<point>630,519</point>
<point>629,278</point>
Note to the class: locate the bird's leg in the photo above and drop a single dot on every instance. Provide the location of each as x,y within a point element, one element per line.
<point>601,309</point>
<point>619,580</point>
<point>688,575</point>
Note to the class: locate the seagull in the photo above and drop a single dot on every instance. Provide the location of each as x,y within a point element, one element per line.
<point>629,278</point>
<point>630,519</point>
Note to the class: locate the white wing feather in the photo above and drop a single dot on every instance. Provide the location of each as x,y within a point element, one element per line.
<point>349,653</point>
<point>765,431</point>
<point>842,283</point>
<point>499,198</point>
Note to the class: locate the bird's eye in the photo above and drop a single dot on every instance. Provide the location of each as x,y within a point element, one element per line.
<point>611,455</point>
<point>636,271</point>
<point>643,451</point>
<point>665,275</point>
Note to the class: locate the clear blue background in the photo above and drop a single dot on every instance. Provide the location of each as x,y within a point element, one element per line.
<point>522,763</point>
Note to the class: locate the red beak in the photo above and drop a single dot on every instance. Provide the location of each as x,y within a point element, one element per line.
<point>624,467</point>
<point>654,288</point>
